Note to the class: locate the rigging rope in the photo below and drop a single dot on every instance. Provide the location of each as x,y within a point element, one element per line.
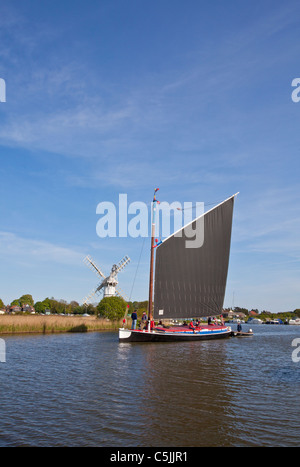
<point>205,204</point>
<point>137,268</point>
<point>125,315</point>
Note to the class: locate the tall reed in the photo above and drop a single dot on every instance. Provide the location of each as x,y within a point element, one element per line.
<point>15,324</point>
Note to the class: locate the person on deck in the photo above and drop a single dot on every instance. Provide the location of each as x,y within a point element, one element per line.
<point>151,323</point>
<point>144,318</point>
<point>134,319</point>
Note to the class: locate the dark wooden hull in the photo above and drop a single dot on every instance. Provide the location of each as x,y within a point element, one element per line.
<point>129,335</point>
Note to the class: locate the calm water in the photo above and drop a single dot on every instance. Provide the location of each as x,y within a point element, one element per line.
<point>90,390</point>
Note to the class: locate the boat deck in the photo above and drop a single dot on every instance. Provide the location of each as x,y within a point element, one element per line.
<point>172,333</point>
<point>187,329</point>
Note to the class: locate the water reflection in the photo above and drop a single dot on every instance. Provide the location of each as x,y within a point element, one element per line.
<point>90,390</point>
<point>184,390</point>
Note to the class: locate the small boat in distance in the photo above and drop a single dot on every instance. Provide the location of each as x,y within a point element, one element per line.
<point>274,321</point>
<point>254,321</point>
<point>190,280</point>
<point>294,321</point>
<point>242,333</point>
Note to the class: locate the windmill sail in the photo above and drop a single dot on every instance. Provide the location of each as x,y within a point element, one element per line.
<point>109,283</point>
<point>191,282</point>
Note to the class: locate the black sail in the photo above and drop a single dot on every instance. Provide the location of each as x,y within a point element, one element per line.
<point>190,280</point>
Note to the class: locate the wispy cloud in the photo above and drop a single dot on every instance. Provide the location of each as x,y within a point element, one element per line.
<point>27,251</point>
<point>68,132</point>
<point>269,222</point>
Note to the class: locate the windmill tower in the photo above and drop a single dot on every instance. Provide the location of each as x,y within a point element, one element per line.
<point>109,283</point>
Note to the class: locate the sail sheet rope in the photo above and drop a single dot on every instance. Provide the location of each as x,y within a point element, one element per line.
<point>143,244</point>
<point>137,268</point>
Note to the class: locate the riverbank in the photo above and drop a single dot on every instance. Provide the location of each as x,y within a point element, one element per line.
<point>46,324</point>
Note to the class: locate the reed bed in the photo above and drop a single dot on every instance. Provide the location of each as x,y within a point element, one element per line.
<point>19,324</point>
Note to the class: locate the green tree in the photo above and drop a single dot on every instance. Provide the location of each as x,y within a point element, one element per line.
<point>238,309</point>
<point>1,304</point>
<point>90,309</point>
<point>78,310</point>
<point>40,307</point>
<point>26,300</point>
<point>142,306</point>
<point>55,306</point>
<point>139,306</point>
<point>112,308</point>
<point>15,302</point>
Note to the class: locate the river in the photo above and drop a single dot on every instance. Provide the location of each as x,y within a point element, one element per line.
<point>90,390</point>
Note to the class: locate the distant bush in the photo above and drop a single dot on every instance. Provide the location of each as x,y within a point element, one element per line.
<point>112,308</point>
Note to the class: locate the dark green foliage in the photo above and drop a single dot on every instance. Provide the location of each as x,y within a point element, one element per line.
<point>112,308</point>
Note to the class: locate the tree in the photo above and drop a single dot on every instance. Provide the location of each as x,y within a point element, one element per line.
<point>78,310</point>
<point>90,309</point>
<point>139,306</point>
<point>15,302</point>
<point>41,307</point>
<point>1,304</point>
<point>238,309</point>
<point>26,300</point>
<point>112,308</point>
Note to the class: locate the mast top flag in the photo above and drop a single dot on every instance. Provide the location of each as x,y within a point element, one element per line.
<point>190,280</point>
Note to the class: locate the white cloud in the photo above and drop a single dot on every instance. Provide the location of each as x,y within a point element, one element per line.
<point>31,252</point>
<point>270,221</point>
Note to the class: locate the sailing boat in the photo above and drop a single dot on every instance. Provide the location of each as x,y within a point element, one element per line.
<point>189,281</point>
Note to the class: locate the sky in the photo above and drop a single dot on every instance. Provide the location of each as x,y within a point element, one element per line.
<point>107,97</point>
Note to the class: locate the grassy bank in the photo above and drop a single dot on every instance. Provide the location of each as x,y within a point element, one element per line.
<point>19,324</point>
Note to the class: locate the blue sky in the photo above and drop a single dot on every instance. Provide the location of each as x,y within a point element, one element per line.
<point>108,97</point>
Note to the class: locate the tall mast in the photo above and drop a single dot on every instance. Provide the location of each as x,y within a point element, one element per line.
<point>152,255</point>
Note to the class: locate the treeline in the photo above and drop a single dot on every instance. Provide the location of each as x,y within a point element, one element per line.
<point>111,308</point>
<point>53,306</point>
<point>114,308</point>
<point>140,307</point>
<point>267,314</point>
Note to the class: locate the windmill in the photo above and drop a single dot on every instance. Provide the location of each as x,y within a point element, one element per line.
<point>109,283</point>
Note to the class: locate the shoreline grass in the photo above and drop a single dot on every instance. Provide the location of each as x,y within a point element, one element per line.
<point>47,324</point>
